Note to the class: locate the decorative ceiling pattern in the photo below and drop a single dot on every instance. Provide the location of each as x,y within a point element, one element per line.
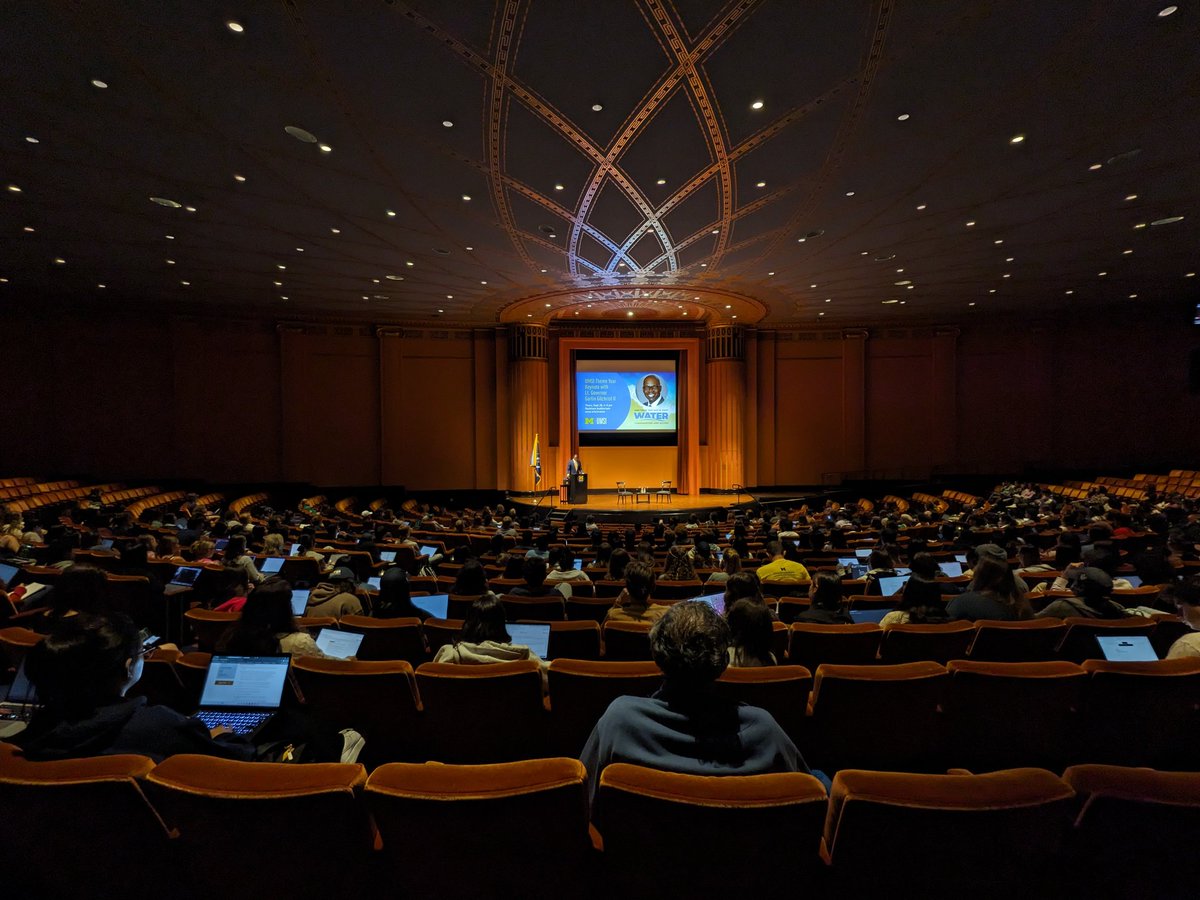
<point>849,162</point>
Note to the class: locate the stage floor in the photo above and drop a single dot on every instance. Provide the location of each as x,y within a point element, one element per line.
<point>605,504</point>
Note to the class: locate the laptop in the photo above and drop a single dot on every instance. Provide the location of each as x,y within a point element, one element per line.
<point>863,553</point>
<point>868,615</point>
<point>338,644</point>
<point>856,570</point>
<point>243,693</point>
<point>716,601</point>
<point>430,550</point>
<point>184,579</point>
<point>901,570</point>
<point>960,558</point>
<point>889,587</point>
<point>579,564</point>
<point>951,570</point>
<point>106,544</point>
<point>535,637</point>
<point>8,575</point>
<point>220,544</point>
<point>270,565</point>
<point>295,550</point>
<point>1126,648</point>
<point>375,583</point>
<point>1133,580</point>
<point>387,555</point>
<point>299,602</point>
<point>437,605</point>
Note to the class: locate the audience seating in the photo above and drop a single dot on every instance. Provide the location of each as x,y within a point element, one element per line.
<point>440,632</point>
<point>541,609</point>
<point>581,690</point>
<point>227,812</point>
<point>1006,715</point>
<point>1130,829</point>
<point>626,641</point>
<point>388,639</point>
<point>482,714</point>
<point>850,645</point>
<point>574,640</point>
<point>939,642</point>
<point>667,834</point>
<point>790,607</point>
<point>780,690</point>
<point>15,642</point>
<point>1079,643</point>
<point>878,717</point>
<point>1028,640</point>
<point>590,609</point>
<point>377,699</point>
<point>944,835</point>
<point>677,590</point>
<point>459,606</point>
<point>1141,713</point>
<point>208,626</point>
<point>517,829</point>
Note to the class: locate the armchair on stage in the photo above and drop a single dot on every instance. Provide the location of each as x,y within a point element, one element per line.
<point>575,488</point>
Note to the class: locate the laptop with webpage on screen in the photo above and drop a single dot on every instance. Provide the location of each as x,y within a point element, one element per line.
<point>270,565</point>
<point>387,555</point>
<point>437,605</point>
<point>951,570</point>
<point>375,582</point>
<point>338,644</point>
<point>536,637</point>
<point>889,587</point>
<point>299,602</point>
<point>1126,648</point>
<point>242,693</point>
<point>868,615</point>
<point>184,579</point>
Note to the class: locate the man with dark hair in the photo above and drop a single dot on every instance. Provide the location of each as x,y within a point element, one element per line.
<point>534,571</point>
<point>780,570</point>
<point>685,726</point>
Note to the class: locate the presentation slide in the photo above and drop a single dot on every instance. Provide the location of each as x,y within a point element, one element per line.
<point>625,396</point>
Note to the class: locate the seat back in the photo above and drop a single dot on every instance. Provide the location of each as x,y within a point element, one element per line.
<point>589,609</point>
<point>678,590</point>
<point>581,690</point>
<point>15,643</point>
<point>388,639</point>
<point>541,609</point>
<point>995,832</point>
<point>626,641</point>
<point>377,699</point>
<point>844,645</point>
<point>1028,640</point>
<point>878,717</point>
<point>227,813</point>
<point>1006,715</point>
<point>780,690</point>
<point>1141,713</point>
<point>459,606</point>
<point>297,570</point>
<point>939,642</point>
<point>760,820</point>
<point>208,626</point>
<point>1079,643</point>
<point>790,607</point>
<point>440,632</point>
<point>482,714</point>
<point>523,826</point>
<point>61,817</point>
<point>574,640</point>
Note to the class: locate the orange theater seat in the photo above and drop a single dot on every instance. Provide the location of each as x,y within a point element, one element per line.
<point>844,645</point>
<point>581,690</point>
<point>388,639</point>
<point>780,690</point>
<point>940,642</point>
<point>1028,640</point>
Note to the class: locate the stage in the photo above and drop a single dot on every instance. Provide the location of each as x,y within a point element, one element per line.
<point>638,507</point>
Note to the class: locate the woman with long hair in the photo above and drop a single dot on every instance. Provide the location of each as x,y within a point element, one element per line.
<point>267,626</point>
<point>993,594</point>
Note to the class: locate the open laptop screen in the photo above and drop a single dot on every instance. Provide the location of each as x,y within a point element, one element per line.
<point>387,555</point>
<point>8,574</point>
<point>185,576</point>
<point>535,637</point>
<point>430,550</point>
<point>868,615</point>
<point>245,681</point>
<point>889,587</point>
<point>951,569</point>
<point>716,601</point>
<point>338,644</point>
<point>299,602</point>
<point>437,605</point>
<point>863,552</point>
<point>1126,648</point>
<point>271,565</point>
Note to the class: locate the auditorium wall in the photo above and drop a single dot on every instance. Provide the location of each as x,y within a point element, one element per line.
<point>247,401</point>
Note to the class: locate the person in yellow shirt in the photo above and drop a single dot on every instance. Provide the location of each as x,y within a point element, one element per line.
<point>780,570</point>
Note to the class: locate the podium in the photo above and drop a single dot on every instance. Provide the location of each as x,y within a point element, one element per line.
<point>577,488</point>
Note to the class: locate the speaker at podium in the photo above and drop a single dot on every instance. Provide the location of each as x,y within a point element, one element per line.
<point>577,488</point>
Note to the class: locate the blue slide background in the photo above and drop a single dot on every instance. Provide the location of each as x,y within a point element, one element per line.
<point>603,404</point>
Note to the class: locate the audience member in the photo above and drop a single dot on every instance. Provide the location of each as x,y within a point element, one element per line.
<point>633,603</point>
<point>485,639</point>
<point>992,594</point>
<point>268,626</point>
<point>780,570</point>
<point>751,630</point>
<point>471,580</point>
<point>1093,597</point>
<point>1186,596</point>
<point>920,602</point>
<point>826,606</point>
<point>335,595</point>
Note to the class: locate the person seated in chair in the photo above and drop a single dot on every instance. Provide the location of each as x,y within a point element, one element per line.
<point>780,570</point>
<point>826,606</point>
<point>485,639</point>
<point>633,603</point>
<point>534,571</point>
<point>751,635</point>
<point>335,595</point>
<point>685,726</point>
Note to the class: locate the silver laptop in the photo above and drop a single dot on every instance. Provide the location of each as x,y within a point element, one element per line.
<point>534,636</point>
<point>243,693</point>
<point>338,644</point>
<point>299,602</point>
<point>1126,648</point>
<point>437,605</point>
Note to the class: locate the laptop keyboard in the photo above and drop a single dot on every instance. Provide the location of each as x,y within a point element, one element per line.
<point>237,722</point>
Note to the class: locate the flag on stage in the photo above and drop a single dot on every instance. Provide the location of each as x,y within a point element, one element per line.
<point>535,461</point>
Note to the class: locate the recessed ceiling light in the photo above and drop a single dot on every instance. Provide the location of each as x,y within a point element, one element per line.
<point>1133,296</point>
<point>761,184</point>
<point>828,299</point>
<point>684,312</point>
<point>820,314</point>
<point>96,82</point>
<point>466,198</point>
<point>376,280</point>
<point>972,303</point>
<point>971,223</point>
<point>910,287</point>
<point>324,148</point>
<point>483,282</point>
<point>1008,259</point>
<point>757,104</point>
<point>102,286</point>
<point>715,231</point>
<point>921,206</point>
<point>729,306</point>
<point>441,310</point>
<point>190,208</point>
<point>661,181</point>
<point>905,281</point>
<point>186,283</point>
<point>1094,166</point>
<point>449,296</point>
<point>33,140</point>
<point>1190,275</point>
<point>733,316</point>
<point>235,27</point>
<point>335,231</point>
<point>991,290</point>
<point>300,134</point>
<point>59,261</point>
<point>630,313</point>
<point>447,123</point>
<point>770,273</point>
<point>1070,292</point>
<point>1169,220</point>
<point>889,302</point>
<point>903,117</point>
<point>1131,196</point>
<point>998,241</point>
<point>280,266</point>
<point>468,248</point>
<point>621,265</point>
<point>704,265</point>
<point>900,270</point>
<point>299,249</point>
<point>170,262</point>
<point>801,240</point>
<point>391,214</point>
<point>239,177</point>
<point>597,107</point>
<point>849,193</point>
<point>1167,11</point>
<point>279,284</point>
<point>14,189</point>
<point>1016,139</point>
<point>28,228</point>
<point>1140,225</point>
<point>1101,274</point>
<point>1126,252</point>
<point>543,271</point>
<point>812,285</point>
<point>169,237</point>
<point>3,281</point>
<point>1006,275</point>
<point>864,253</point>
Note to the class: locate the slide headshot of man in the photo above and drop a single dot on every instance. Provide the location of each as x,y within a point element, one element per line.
<point>652,391</point>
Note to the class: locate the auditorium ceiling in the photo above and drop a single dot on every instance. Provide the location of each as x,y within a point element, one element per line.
<point>841,162</point>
